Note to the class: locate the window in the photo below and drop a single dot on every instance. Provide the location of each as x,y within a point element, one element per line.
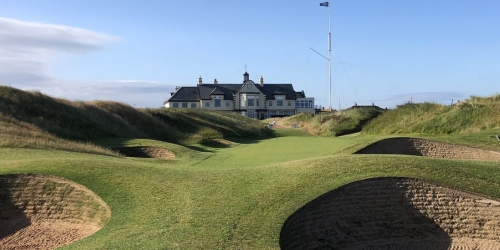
<point>249,86</point>
<point>280,100</point>
<point>228,104</point>
<point>304,104</point>
<point>270,104</point>
<point>242,101</point>
<point>207,104</point>
<point>184,105</point>
<point>176,105</point>
<point>217,103</point>
<point>251,113</point>
<point>193,105</point>
<point>289,103</point>
<point>251,101</point>
<point>258,104</point>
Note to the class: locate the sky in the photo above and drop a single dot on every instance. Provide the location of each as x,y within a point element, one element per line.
<point>385,52</point>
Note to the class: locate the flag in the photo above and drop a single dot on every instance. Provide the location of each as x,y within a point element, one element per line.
<point>324,4</point>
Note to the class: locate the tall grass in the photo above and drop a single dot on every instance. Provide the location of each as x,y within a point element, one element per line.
<point>88,121</point>
<point>470,116</point>
<point>336,123</point>
<point>204,125</point>
<point>18,134</point>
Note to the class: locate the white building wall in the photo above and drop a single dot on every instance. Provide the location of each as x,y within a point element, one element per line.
<point>223,106</point>
<point>309,107</point>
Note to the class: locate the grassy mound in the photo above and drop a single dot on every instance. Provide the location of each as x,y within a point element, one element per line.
<point>33,113</point>
<point>338,123</point>
<point>203,125</point>
<point>470,116</point>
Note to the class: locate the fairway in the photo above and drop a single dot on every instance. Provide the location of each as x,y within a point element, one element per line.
<point>283,148</point>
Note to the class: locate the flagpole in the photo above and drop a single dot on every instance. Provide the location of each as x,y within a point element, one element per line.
<point>330,56</point>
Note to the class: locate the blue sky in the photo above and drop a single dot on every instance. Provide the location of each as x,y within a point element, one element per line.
<point>387,52</point>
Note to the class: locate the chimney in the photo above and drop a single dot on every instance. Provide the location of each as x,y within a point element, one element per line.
<point>199,81</point>
<point>245,77</point>
<point>176,89</point>
<point>261,81</point>
<point>215,81</point>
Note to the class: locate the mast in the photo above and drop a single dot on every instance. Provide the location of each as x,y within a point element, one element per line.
<point>327,4</point>
<point>329,55</point>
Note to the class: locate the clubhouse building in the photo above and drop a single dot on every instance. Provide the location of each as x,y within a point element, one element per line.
<point>255,100</point>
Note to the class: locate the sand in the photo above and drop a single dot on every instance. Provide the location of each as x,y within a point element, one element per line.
<point>46,212</point>
<point>394,213</point>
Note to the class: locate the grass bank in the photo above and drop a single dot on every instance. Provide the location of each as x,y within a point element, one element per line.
<point>473,115</point>
<point>335,123</point>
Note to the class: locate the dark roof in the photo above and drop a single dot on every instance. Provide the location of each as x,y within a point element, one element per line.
<point>278,89</point>
<point>185,94</point>
<point>228,90</point>
<point>301,94</point>
<point>204,91</point>
<point>217,91</point>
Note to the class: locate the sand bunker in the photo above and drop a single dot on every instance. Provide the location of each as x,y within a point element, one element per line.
<point>46,212</point>
<point>146,152</point>
<point>394,213</point>
<point>218,143</point>
<point>421,147</point>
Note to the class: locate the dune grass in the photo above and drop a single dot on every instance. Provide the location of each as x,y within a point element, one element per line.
<point>86,121</point>
<point>336,123</point>
<point>469,116</point>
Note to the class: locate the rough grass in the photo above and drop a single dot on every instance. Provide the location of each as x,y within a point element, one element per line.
<point>204,125</point>
<point>86,121</point>
<point>336,123</point>
<point>470,116</point>
<point>18,134</point>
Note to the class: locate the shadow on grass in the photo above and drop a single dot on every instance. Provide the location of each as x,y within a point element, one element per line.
<point>200,149</point>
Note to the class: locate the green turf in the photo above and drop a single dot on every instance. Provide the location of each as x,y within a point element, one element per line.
<point>230,198</point>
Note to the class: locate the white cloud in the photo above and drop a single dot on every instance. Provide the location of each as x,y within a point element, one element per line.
<point>21,40</point>
<point>26,48</point>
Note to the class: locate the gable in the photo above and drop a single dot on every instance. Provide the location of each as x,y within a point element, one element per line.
<point>250,87</point>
